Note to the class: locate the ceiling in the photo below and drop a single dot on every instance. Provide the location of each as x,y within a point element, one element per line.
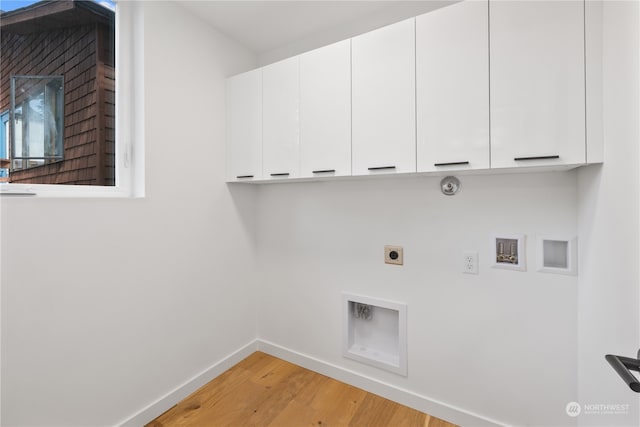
<point>266,25</point>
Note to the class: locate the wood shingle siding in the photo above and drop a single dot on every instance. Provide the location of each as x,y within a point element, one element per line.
<point>83,53</point>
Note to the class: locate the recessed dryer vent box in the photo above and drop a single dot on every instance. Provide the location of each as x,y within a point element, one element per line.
<point>557,255</point>
<point>375,332</point>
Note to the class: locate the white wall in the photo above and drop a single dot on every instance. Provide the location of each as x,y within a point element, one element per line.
<point>317,240</point>
<point>109,304</point>
<point>501,344</point>
<point>392,12</point>
<point>609,320</point>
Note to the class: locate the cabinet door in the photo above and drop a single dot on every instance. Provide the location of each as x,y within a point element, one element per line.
<point>383,82</point>
<point>244,126</point>
<point>537,83</point>
<point>452,76</point>
<point>325,111</point>
<point>281,142</point>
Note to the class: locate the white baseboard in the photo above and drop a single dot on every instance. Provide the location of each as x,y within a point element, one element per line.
<point>164,403</point>
<point>372,385</point>
<point>405,397</point>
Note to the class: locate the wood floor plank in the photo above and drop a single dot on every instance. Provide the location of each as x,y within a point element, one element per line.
<point>407,417</point>
<point>345,401</point>
<point>281,394</point>
<point>234,409</point>
<point>316,384</point>
<point>185,413</point>
<point>296,414</point>
<point>255,361</point>
<point>264,391</point>
<point>205,398</point>
<point>437,422</point>
<point>273,373</point>
<point>375,411</point>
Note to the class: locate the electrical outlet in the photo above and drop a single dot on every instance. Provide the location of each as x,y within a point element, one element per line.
<point>393,255</point>
<point>470,262</point>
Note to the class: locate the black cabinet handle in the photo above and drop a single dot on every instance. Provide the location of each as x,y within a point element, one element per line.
<point>377,168</point>
<point>244,176</point>
<point>623,366</point>
<point>451,164</point>
<point>280,174</point>
<point>324,171</point>
<point>518,159</point>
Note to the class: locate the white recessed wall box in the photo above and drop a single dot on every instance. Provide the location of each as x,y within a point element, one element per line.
<point>375,332</point>
<point>509,252</point>
<point>557,254</point>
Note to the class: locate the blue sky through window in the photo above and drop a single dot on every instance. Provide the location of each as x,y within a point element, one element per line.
<point>8,5</point>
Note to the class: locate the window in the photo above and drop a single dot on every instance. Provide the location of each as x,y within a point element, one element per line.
<point>37,126</point>
<point>4,147</point>
<point>59,109</point>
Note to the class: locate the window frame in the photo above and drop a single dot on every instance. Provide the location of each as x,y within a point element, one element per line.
<point>129,113</point>
<point>4,125</point>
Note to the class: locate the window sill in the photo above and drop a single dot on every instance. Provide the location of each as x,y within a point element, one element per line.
<point>63,191</point>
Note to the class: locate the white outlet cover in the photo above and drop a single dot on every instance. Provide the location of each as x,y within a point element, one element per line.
<point>470,262</point>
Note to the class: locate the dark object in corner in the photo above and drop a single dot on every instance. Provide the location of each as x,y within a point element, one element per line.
<point>623,366</point>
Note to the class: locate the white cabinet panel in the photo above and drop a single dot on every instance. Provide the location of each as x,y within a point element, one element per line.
<point>281,98</point>
<point>244,126</point>
<point>325,111</point>
<point>452,76</point>
<point>383,90</point>
<point>537,83</point>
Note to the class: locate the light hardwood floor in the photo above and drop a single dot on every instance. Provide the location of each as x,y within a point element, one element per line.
<point>266,391</point>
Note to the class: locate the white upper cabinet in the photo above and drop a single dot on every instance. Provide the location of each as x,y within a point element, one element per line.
<point>478,84</point>
<point>325,111</point>
<point>452,76</point>
<point>281,131</point>
<point>383,96</point>
<point>537,83</point>
<point>244,126</point>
